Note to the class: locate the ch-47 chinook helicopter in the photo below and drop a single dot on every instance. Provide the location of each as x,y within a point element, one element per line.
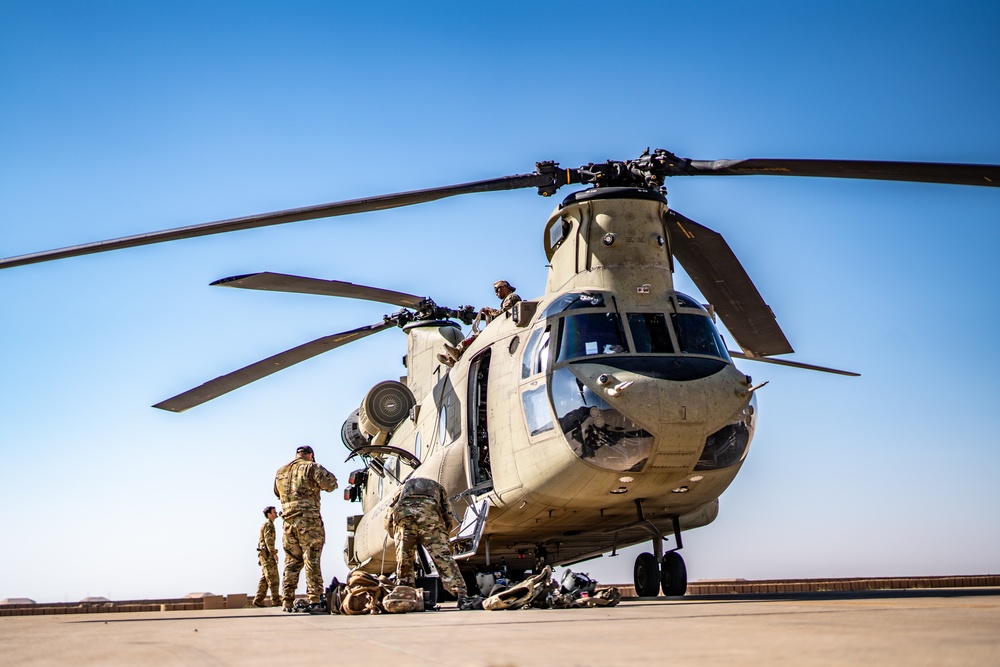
<point>605,413</point>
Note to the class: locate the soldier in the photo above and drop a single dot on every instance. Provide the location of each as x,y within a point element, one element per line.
<point>421,513</point>
<point>267,556</point>
<point>504,292</point>
<point>298,484</point>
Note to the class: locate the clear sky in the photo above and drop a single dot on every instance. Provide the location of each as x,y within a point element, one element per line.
<point>119,118</point>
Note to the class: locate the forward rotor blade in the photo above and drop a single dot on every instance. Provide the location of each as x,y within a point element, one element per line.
<point>244,376</point>
<point>381,202</point>
<point>920,172</point>
<point>793,364</point>
<point>281,282</point>
<point>717,272</point>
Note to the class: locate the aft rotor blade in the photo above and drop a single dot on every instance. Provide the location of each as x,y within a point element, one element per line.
<point>281,282</point>
<point>920,172</point>
<point>793,364</point>
<point>717,272</point>
<point>244,376</point>
<point>378,203</point>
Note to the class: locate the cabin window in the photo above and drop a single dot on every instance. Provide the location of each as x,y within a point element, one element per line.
<point>590,334</point>
<point>416,446</point>
<point>536,411</point>
<point>650,333</point>
<point>443,425</point>
<point>697,335</point>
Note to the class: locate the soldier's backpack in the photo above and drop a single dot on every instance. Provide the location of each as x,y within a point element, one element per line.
<point>335,594</point>
<point>403,599</point>
<point>364,593</point>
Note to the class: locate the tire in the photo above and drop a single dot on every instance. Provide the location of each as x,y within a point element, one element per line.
<point>673,574</point>
<point>646,575</point>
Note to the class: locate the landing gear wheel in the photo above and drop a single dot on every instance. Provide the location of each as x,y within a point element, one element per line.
<point>673,574</point>
<point>646,575</point>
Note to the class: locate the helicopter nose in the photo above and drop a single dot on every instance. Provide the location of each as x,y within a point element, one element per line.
<point>625,416</point>
<point>655,398</point>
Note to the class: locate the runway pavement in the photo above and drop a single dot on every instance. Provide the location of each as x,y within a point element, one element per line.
<point>907,627</point>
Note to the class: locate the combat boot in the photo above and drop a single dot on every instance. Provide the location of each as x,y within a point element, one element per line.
<point>316,608</point>
<point>470,603</point>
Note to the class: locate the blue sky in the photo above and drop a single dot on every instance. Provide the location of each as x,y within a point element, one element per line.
<point>119,118</point>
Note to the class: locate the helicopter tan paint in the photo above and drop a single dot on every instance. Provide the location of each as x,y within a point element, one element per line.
<point>605,413</point>
<point>541,491</point>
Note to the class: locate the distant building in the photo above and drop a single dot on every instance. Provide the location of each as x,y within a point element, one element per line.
<point>95,599</point>
<point>17,601</point>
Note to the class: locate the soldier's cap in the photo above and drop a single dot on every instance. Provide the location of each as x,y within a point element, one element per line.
<point>304,449</point>
<point>503,283</point>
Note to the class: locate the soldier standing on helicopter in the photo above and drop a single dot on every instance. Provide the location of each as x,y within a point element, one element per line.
<point>505,292</point>
<point>298,484</point>
<point>420,514</point>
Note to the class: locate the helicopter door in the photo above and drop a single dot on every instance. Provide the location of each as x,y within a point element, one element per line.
<point>480,473</point>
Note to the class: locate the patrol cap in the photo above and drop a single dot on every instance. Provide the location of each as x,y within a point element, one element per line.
<point>503,283</point>
<point>304,449</point>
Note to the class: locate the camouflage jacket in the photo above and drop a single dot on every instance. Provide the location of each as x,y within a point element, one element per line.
<point>508,302</point>
<point>265,543</point>
<point>297,485</point>
<point>418,497</point>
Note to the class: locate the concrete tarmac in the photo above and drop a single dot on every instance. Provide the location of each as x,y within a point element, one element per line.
<point>909,627</point>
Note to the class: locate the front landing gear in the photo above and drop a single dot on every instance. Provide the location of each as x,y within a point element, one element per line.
<point>651,574</point>
<point>673,574</point>
<point>657,570</point>
<point>646,575</point>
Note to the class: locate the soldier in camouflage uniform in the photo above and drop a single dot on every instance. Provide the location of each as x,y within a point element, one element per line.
<point>505,292</point>
<point>267,556</point>
<point>421,513</point>
<point>298,484</point>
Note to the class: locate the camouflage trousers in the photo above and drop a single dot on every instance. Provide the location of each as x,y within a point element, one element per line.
<point>268,579</point>
<point>303,540</point>
<point>430,532</point>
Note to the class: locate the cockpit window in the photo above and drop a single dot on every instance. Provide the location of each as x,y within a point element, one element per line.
<point>650,333</point>
<point>589,334</point>
<point>536,411</point>
<point>542,354</point>
<point>574,301</point>
<point>697,335</point>
<point>529,349</point>
<point>684,301</point>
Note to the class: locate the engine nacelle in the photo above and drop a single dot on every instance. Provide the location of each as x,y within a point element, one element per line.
<point>384,408</point>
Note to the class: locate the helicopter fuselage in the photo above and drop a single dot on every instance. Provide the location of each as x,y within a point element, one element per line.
<point>592,418</point>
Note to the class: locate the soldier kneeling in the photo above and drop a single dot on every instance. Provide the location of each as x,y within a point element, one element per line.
<point>420,514</point>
